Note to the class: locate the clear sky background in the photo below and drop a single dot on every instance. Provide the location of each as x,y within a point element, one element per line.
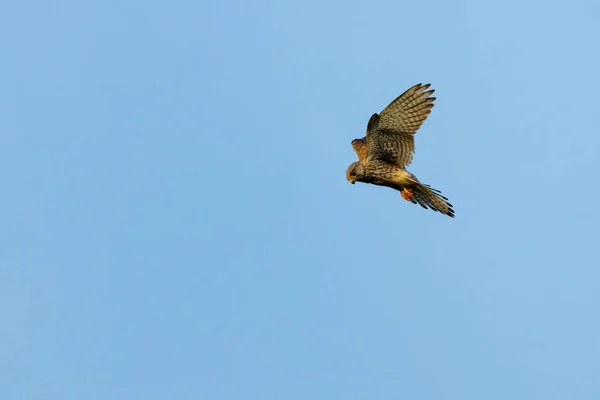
<point>176,222</point>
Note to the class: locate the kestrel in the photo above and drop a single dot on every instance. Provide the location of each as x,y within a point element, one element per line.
<point>389,147</point>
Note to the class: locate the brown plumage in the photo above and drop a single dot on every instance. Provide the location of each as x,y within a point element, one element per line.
<point>389,147</point>
<point>360,147</point>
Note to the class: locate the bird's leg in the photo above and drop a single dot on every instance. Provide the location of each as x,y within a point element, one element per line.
<point>407,194</point>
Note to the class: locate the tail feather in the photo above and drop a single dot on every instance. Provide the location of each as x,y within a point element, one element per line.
<point>427,197</point>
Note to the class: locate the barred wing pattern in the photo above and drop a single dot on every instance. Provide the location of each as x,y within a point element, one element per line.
<point>390,134</point>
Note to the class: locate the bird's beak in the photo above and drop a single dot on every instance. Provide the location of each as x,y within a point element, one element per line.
<point>352,180</point>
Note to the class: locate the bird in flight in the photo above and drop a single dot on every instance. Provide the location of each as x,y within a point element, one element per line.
<point>389,147</point>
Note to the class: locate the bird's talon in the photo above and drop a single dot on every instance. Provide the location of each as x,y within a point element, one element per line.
<point>407,194</point>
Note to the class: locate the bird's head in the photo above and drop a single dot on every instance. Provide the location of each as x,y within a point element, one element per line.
<point>354,171</point>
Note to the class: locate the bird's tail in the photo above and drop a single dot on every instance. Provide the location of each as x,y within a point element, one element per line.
<point>427,197</point>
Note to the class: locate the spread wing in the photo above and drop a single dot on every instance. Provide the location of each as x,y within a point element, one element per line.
<point>360,147</point>
<point>390,134</point>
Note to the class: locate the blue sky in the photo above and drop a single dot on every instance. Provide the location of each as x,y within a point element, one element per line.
<point>177,222</point>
